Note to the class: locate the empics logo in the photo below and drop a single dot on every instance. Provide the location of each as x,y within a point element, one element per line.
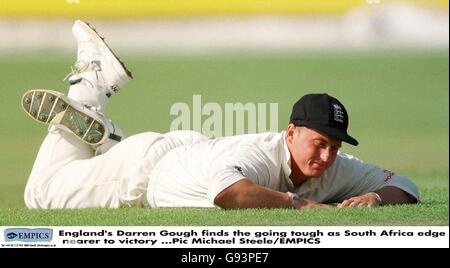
<point>11,235</point>
<point>28,235</point>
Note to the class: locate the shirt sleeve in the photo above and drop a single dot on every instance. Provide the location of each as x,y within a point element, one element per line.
<point>249,163</point>
<point>352,177</point>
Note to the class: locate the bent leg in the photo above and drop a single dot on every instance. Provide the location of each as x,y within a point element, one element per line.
<point>66,175</point>
<point>58,149</point>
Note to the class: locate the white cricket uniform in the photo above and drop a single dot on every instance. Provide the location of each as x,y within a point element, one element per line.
<point>183,169</point>
<point>192,175</point>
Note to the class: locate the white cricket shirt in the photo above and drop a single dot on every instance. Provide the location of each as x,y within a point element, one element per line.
<point>192,175</point>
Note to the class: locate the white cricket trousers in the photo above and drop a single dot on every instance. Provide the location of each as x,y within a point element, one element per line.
<point>66,174</point>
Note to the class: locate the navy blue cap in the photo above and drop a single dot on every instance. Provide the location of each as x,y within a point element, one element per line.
<point>323,113</point>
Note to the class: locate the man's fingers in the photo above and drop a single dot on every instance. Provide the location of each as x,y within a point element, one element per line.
<point>345,203</point>
<point>355,203</point>
<point>368,200</point>
<point>363,205</point>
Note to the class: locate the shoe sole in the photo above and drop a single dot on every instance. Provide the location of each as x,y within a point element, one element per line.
<point>51,107</point>
<point>106,47</point>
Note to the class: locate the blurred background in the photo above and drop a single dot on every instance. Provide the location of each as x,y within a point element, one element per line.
<point>387,61</point>
<point>213,25</point>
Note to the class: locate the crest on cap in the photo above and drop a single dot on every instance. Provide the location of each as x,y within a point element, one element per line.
<point>338,113</point>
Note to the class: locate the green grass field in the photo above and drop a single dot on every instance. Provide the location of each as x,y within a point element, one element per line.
<point>398,106</point>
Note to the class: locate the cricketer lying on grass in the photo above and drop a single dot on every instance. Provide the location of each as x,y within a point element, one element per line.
<point>85,161</point>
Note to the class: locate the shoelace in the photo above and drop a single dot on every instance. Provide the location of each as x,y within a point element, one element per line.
<point>81,67</point>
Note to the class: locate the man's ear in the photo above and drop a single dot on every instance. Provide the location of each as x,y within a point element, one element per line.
<point>290,132</point>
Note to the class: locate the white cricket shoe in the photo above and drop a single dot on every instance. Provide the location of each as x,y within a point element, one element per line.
<point>96,63</point>
<point>54,108</point>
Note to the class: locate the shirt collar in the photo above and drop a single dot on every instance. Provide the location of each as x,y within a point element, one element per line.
<point>286,158</point>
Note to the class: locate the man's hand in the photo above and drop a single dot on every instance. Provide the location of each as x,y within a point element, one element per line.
<point>366,200</point>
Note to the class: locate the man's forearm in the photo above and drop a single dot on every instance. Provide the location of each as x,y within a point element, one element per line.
<point>245,194</point>
<point>391,195</point>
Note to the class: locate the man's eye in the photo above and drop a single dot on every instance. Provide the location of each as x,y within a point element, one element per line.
<point>321,144</point>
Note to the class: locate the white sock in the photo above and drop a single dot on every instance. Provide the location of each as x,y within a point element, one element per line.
<point>85,92</point>
<point>86,88</point>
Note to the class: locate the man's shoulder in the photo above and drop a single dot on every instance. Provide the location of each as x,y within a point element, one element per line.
<point>267,141</point>
<point>345,156</point>
<point>345,166</point>
<point>263,142</point>
<point>266,147</point>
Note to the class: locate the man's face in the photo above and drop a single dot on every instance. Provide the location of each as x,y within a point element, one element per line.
<point>312,152</point>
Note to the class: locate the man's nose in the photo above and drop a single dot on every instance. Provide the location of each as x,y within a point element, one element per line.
<point>325,156</point>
